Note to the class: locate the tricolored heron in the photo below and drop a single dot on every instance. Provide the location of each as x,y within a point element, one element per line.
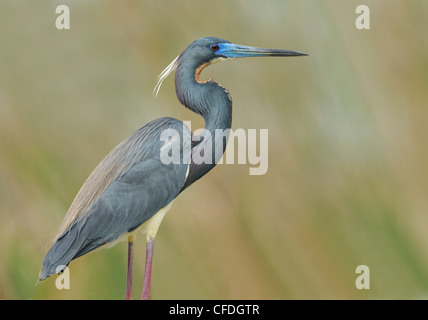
<point>133,187</point>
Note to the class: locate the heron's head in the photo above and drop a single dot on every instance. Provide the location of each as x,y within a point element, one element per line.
<point>205,51</point>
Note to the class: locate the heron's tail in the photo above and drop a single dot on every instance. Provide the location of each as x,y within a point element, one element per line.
<point>68,246</point>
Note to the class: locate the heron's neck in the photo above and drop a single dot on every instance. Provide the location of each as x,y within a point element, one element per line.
<point>208,99</point>
<point>214,104</point>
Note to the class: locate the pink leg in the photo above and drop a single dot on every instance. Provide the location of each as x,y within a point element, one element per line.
<point>148,270</point>
<point>128,292</point>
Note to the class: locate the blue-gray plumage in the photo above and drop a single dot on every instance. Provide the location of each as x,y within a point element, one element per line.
<point>131,175</point>
<point>132,188</point>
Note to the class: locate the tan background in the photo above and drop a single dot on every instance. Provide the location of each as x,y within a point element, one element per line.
<point>348,157</point>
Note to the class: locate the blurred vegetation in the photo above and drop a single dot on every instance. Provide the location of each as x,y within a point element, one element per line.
<point>348,146</point>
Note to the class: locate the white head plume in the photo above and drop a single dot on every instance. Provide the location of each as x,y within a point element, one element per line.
<point>165,73</point>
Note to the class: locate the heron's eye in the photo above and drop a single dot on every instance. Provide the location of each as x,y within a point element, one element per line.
<point>214,47</point>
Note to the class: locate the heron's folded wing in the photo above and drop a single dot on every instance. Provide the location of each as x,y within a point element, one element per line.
<point>143,186</point>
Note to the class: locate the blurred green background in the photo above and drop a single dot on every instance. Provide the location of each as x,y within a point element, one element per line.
<point>348,146</point>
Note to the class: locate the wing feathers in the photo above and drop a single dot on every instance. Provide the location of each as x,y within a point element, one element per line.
<point>127,188</point>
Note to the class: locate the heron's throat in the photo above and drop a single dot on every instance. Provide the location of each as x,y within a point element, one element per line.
<point>198,72</point>
<point>203,66</point>
<point>206,98</point>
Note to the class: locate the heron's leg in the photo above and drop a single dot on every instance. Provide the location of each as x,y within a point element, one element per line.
<point>128,292</point>
<point>148,270</point>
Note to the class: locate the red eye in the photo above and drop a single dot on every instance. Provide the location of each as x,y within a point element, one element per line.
<point>214,47</point>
